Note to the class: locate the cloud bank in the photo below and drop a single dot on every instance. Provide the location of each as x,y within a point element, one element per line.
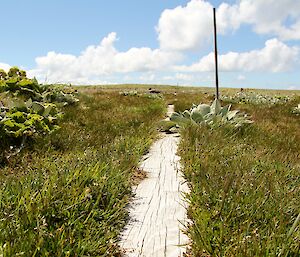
<point>274,57</point>
<point>180,31</point>
<point>101,60</point>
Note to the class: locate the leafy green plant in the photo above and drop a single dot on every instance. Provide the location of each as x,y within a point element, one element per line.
<point>15,72</point>
<point>212,116</point>
<point>296,110</point>
<point>3,74</point>
<point>25,120</point>
<point>28,109</point>
<point>64,95</point>
<point>16,84</point>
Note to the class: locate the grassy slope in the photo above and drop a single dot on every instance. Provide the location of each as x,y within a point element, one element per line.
<point>245,185</point>
<point>65,196</point>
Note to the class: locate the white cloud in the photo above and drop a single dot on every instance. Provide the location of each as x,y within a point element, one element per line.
<point>184,76</point>
<point>241,77</point>
<point>227,18</point>
<point>4,66</point>
<point>185,28</point>
<point>274,57</point>
<point>189,27</point>
<point>148,77</point>
<point>101,60</point>
<point>270,16</point>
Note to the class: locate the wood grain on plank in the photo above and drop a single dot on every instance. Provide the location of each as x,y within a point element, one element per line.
<point>158,211</point>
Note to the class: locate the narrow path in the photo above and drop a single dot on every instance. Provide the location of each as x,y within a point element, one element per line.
<point>158,210</point>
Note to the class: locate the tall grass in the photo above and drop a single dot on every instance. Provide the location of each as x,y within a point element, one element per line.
<point>65,195</point>
<point>245,185</point>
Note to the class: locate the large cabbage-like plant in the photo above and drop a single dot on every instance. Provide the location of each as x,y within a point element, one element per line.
<point>212,116</point>
<point>21,120</point>
<point>28,110</point>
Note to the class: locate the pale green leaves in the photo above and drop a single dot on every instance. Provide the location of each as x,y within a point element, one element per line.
<point>213,116</point>
<point>215,107</point>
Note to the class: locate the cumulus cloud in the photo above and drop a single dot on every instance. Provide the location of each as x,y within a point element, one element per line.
<point>241,77</point>
<point>189,27</point>
<point>182,29</point>
<point>4,66</point>
<point>101,60</point>
<point>274,57</point>
<point>279,18</point>
<point>271,17</point>
<point>184,77</point>
<point>149,77</point>
<point>185,28</point>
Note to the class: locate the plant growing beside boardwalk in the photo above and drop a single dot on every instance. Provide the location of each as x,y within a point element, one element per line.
<point>296,110</point>
<point>212,116</point>
<point>244,185</point>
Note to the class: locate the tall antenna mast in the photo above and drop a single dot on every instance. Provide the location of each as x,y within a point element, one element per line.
<point>216,55</point>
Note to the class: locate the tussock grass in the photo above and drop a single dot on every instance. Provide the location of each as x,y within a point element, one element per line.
<point>245,185</point>
<point>65,195</point>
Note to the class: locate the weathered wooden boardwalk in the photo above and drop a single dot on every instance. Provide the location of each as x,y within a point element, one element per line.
<point>158,210</point>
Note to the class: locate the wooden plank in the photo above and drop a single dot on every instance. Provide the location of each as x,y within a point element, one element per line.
<point>158,210</point>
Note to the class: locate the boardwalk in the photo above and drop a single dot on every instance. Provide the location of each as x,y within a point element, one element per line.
<point>158,210</point>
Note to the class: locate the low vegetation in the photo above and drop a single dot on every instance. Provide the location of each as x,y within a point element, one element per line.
<point>245,184</point>
<point>65,193</point>
<point>256,98</point>
<point>149,94</point>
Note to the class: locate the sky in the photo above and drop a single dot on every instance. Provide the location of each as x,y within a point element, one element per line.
<point>153,42</point>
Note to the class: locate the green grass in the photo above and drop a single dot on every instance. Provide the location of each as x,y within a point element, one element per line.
<point>245,185</point>
<point>65,195</point>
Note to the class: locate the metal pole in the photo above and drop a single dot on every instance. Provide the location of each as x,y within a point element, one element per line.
<point>216,55</point>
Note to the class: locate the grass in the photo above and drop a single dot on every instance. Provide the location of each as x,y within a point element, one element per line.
<point>66,194</point>
<point>245,185</point>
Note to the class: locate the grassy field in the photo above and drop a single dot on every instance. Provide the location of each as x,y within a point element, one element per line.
<point>245,184</point>
<point>65,194</point>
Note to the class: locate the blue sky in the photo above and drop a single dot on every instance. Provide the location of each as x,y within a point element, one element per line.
<point>157,41</point>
